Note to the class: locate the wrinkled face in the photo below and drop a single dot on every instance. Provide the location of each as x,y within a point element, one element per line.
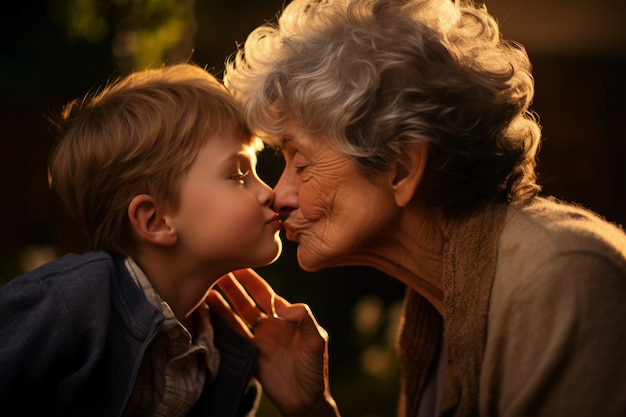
<point>225,219</point>
<point>337,216</point>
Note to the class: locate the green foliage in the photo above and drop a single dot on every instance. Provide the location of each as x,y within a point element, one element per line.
<point>82,19</point>
<point>142,33</point>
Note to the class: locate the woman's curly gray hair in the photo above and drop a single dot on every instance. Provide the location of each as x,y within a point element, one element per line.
<point>376,76</point>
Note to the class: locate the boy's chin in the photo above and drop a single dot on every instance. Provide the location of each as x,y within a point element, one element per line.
<point>271,256</point>
<point>277,253</point>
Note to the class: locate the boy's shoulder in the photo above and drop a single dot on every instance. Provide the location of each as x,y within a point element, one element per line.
<point>92,263</point>
<point>68,294</point>
<point>71,272</point>
<point>94,260</point>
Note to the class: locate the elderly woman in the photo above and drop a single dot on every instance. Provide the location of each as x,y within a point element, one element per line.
<point>410,147</point>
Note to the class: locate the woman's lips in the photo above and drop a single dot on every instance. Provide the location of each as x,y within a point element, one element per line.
<point>290,232</point>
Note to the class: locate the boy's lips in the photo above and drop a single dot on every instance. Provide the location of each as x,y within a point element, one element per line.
<point>275,222</point>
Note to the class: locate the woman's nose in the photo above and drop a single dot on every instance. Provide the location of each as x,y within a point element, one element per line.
<point>285,195</point>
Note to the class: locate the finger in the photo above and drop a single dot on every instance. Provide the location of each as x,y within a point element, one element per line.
<point>219,306</point>
<point>280,305</point>
<point>239,299</point>
<point>302,316</point>
<point>258,288</point>
<point>249,310</point>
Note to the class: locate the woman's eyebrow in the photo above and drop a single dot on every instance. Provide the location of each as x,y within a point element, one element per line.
<point>285,141</point>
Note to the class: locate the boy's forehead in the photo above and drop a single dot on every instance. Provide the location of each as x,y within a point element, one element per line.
<point>250,147</point>
<point>256,144</point>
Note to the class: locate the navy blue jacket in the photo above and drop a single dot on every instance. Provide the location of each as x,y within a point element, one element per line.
<point>72,336</point>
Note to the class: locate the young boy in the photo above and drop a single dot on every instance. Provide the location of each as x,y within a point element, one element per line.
<point>159,169</point>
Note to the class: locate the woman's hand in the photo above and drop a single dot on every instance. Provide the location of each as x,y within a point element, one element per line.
<point>293,348</point>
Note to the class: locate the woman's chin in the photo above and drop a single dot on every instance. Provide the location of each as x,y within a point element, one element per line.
<point>311,262</point>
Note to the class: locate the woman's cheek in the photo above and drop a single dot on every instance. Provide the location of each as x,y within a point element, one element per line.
<point>315,200</point>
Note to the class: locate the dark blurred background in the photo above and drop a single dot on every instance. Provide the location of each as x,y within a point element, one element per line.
<point>57,50</point>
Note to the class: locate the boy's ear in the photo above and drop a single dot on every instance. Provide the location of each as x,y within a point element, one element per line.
<point>409,173</point>
<point>149,223</point>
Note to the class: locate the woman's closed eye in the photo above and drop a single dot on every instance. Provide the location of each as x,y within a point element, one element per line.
<point>300,163</point>
<point>240,176</point>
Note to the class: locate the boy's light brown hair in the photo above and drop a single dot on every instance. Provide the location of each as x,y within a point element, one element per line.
<point>138,135</point>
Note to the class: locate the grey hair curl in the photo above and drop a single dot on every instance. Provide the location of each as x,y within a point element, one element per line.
<point>376,76</point>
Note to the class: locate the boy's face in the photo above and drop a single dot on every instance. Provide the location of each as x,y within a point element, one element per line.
<point>225,219</point>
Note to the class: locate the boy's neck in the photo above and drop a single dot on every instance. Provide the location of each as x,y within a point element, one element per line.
<point>182,285</point>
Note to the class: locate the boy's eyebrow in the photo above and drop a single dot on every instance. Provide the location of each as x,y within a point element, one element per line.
<point>235,158</point>
<point>248,153</point>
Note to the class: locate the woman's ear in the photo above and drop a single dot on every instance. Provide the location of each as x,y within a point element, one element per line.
<point>409,173</point>
<point>148,223</point>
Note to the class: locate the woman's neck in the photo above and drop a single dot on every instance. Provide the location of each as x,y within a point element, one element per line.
<point>412,252</point>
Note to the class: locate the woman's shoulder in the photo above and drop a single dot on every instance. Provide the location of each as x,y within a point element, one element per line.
<point>548,243</point>
<point>553,226</point>
<point>553,253</point>
<point>556,308</point>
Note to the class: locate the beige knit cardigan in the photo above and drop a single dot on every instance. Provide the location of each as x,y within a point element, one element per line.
<point>577,311</point>
<point>470,251</point>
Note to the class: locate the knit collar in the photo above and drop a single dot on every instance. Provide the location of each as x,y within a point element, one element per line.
<point>470,255</point>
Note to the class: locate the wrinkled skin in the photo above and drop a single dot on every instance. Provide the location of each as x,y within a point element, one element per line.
<point>335,214</point>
